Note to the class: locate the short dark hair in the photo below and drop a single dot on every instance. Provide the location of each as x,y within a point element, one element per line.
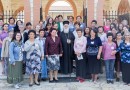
<point>14,36</point>
<point>77,23</point>
<point>1,19</point>
<point>32,31</point>
<point>52,29</point>
<point>95,31</point>
<point>109,34</point>
<point>79,29</point>
<point>60,16</point>
<point>5,24</point>
<point>71,16</point>
<point>28,24</point>
<point>101,27</point>
<point>41,30</point>
<point>79,16</point>
<point>94,21</point>
<point>11,18</point>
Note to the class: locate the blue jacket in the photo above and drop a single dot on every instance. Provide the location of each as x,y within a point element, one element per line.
<point>15,52</point>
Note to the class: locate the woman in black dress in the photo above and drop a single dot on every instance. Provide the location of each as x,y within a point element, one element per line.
<point>94,49</point>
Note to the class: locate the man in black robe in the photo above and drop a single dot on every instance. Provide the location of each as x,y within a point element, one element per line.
<point>67,39</point>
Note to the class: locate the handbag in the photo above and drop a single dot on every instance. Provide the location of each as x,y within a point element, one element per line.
<point>92,50</point>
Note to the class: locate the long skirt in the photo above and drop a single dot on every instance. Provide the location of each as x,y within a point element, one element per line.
<point>94,64</point>
<point>44,69</point>
<point>126,72</point>
<point>53,62</point>
<point>81,67</point>
<point>15,74</point>
<point>33,65</point>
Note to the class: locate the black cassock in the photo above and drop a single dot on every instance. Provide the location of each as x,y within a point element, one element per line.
<point>66,62</point>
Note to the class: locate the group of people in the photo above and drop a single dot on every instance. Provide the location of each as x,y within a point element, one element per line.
<point>60,46</point>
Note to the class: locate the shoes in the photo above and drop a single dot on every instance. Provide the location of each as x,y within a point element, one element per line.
<point>16,86</point>
<point>112,82</point>
<point>108,81</point>
<point>38,84</point>
<point>95,82</point>
<point>51,81</point>
<point>56,80</point>
<point>117,79</point>
<point>30,85</point>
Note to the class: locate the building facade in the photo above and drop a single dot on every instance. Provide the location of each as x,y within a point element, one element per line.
<point>30,9</point>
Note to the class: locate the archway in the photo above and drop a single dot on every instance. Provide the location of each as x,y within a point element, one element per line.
<point>50,2</point>
<point>124,6</point>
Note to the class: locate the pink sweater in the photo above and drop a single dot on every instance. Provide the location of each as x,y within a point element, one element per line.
<point>106,29</point>
<point>107,50</point>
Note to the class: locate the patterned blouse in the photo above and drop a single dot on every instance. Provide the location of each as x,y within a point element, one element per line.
<point>125,52</point>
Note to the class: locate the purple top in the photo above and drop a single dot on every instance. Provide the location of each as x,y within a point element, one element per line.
<point>3,35</point>
<point>52,47</point>
<point>107,50</point>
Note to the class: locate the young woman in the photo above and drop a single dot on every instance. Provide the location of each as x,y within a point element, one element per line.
<point>94,49</point>
<point>109,59</point>
<point>53,51</point>
<point>5,50</point>
<point>3,35</point>
<point>15,75</point>
<point>124,48</point>
<point>114,31</point>
<point>107,26</point>
<point>80,51</point>
<point>118,41</point>
<point>47,29</point>
<point>34,55</point>
<point>87,32</point>
<point>42,39</point>
<point>16,28</point>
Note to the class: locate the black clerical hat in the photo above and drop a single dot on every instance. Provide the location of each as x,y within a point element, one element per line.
<point>65,22</point>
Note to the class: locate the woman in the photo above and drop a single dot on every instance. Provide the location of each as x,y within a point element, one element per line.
<point>50,20</point>
<point>3,35</point>
<point>94,49</point>
<point>16,28</point>
<point>47,29</point>
<point>124,48</point>
<point>101,34</point>
<point>120,28</point>
<point>5,49</point>
<point>109,59</point>
<point>77,25</point>
<point>107,26</point>
<point>34,55</point>
<point>15,75</point>
<point>80,51</point>
<point>42,39</point>
<point>87,32</point>
<point>118,41</point>
<point>53,51</point>
<point>114,31</point>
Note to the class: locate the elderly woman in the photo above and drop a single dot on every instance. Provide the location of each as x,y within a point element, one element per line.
<point>124,48</point>
<point>53,51</point>
<point>34,55</point>
<point>80,51</point>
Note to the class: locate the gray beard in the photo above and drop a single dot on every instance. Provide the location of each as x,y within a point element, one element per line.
<point>66,30</point>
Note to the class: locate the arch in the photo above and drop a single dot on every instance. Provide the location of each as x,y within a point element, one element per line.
<point>17,11</point>
<point>124,6</point>
<point>70,1</point>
